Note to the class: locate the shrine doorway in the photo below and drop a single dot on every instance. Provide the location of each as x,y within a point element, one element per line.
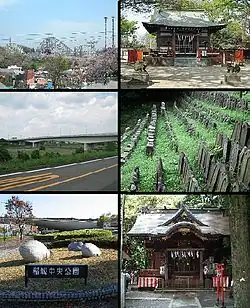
<point>185,44</point>
<point>184,268</point>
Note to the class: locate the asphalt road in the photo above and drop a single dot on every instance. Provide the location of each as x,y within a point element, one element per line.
<point>95,175</point>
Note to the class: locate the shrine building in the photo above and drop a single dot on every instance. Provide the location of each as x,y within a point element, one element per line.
<point>179,243</point>
<point>182,33</point>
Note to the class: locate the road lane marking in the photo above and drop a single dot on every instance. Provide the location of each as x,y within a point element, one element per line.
<point>57,167</point>
<point>28,181</point>
<point>15,179</point>
<point>72,179</point>
<point>85,162</point>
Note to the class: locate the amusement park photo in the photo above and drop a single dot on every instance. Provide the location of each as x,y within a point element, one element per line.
<point>60,50</point>
<point>191,43</point>
<point>185,251</point>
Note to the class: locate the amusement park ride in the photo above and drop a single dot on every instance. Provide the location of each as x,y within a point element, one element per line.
<point>50,45</point>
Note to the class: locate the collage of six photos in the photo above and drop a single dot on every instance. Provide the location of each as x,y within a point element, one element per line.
<point>125,154</point>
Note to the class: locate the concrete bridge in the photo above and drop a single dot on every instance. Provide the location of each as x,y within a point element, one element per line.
<point>86,139</point>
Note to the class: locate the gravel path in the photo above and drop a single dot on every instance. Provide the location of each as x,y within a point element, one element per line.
<point>11,246</point>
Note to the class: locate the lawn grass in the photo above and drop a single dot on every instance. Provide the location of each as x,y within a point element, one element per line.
<point>7,238</point>
<point>103,271</point>
<point>18,165</point>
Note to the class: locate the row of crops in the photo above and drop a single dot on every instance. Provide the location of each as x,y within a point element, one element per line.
<point>163,134</point>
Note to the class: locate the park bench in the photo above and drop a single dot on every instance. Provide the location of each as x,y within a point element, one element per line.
<point>56,271</point>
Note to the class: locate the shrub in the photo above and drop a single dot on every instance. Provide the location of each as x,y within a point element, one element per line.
<point>68,235</point>
<point>42,148</point>
<point>105,243</point>
<point>79,150</point>
<point>52,154</point>
<point>35,154</point>
<point>23,155</point>
<point>4,155</point>
<point>111,146</point>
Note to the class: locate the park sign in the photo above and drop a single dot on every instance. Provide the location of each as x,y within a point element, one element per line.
<point>56,271</point>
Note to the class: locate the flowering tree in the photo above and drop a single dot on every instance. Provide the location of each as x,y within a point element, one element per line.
<point>19,213</point>
<point>102,66</point>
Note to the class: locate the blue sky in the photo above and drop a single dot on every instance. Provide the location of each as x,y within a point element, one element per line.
<point>67,205</point>
<point>60,17</point>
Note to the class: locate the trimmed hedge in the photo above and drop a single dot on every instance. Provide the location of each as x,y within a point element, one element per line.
<point>68,235</point>
<point>99,237</point>
<point>105,243</point>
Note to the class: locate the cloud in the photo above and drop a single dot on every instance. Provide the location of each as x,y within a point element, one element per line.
<point>39,114</point>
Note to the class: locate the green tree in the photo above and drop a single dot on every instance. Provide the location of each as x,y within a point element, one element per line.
<point>55,67</point>
<point>19,213</point>
<point>23,155</point>
<point>148,5</point>
<point>102,219</point>
<point>139,257</point>
<point>127,31</point>
<point>232,36</point>
<point>4,155</point>
<point>235,14</point>
<point>35,154</point>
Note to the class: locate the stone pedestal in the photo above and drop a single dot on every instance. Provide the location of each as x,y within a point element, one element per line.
<point>136,79</point>
<point>233,79</point>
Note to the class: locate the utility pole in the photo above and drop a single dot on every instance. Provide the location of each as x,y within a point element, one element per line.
<point>113,32</point>
<point>105,32</point>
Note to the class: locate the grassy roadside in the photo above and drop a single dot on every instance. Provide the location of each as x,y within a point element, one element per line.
<point>43,162</point>
<point>62,150</point>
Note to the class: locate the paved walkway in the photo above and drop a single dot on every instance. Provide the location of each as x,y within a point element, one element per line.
<point>201,299</point>
<point>186,77</point>
<point>11,246</point>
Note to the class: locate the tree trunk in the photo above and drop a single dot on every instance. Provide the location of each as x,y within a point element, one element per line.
<point>21,235</point>
<point>240,247</point>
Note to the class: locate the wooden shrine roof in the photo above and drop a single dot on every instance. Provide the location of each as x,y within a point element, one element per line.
<point>190,19</point>
<point>163,222</point>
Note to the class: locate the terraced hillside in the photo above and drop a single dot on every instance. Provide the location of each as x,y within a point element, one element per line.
<point>199,142</point>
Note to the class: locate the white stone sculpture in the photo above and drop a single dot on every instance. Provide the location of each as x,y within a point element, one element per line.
<point>33,251</point>
<point>90,250</point>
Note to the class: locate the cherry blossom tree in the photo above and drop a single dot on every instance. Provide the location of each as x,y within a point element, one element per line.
<point>102,66</point>
<point>18,213</point>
